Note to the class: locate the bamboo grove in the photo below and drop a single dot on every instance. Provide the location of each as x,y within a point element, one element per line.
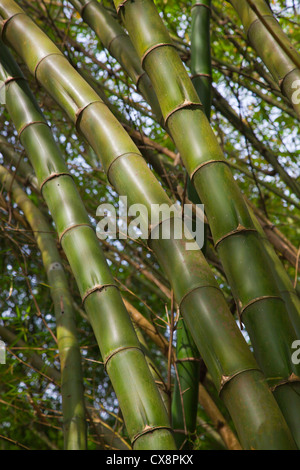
<point>126,343</point>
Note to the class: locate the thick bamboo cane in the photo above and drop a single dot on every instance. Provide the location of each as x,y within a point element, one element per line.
<point>74,424</point>
<point>202,304</point>
<point>272,45</point>
<point>143,410</point>
<point>242,254</point>
<point>119,45</point>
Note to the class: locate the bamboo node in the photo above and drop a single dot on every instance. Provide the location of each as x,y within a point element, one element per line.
<point>113,39</point>
<point>117,158</point>
<point>44,58</point>
<point>207,75</point>
<point>120,350</point>
<point>202,165</point>
<point>98,287</point>
<point>79,112</point>
<point>240,228</point>
<point>291,379</point>
<point>84,7</point>
<point>193,289</point>
<point>71,228</point>
<point>138,80</point>
<point>152,48</point>
<point>259,299</point>
<point>31,124</point>
<point>51,177</point>
<point>185,104</point>
<point>149,429</point>
<point>4,23</point>
<point>201,5</point>
<point>226,378</point>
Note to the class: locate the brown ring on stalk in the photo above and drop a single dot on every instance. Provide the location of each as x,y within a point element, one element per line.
<point>292,378</point>
<point>84,7</point>
<point>226,378</point>
<point>257,21</point>
<point>71,228</point>
<point>115,37</point>
<point>138,80</point>
<point>188,359</point>
<point>207,75</point>
<point>147,430</point>
<point>117,351</point>
<point>11,79</point>
<point>99,287</point>
<point>117,158</point>
<point>31,124</point>
<point>208,162</point>
<point>185,104</point>
<point>50,177</point>
<point>259,299</point>
<point>5,22</point>
<point>80,111</point>
<point>41,60</point>
<point>201,5</point>
<point>152,48</point>
<point>236,231</point>
<point>195,288</point>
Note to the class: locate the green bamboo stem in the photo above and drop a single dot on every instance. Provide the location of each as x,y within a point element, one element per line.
<point>272,45</point>
<point>256,415</point>
<point>144,413</point>
<point>74,424</point>
<point>119,45</point>
<point>17,161</point>
<point>185,395</point>
<point>201,68</point>
<point>244,258</point>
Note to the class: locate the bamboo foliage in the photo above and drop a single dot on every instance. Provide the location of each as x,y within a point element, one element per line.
<point>244,258</point>
<point>272,45</point>
<point>144,412</point>
<point>202,304</point>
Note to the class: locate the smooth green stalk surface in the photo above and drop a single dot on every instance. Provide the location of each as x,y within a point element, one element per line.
<point>202,304</point>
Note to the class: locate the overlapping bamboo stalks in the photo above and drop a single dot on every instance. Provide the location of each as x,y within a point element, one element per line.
<point>236,239</point>
<point>143,410</point>
<point>203,306</point>
<point>272,45</point>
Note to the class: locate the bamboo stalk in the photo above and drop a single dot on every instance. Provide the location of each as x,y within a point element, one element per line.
<point>144,413</point>
<point>74,424</point>
<point>202,304</point>
<point>243,256</point>
<point>119,45</point>
<point>272,45</point>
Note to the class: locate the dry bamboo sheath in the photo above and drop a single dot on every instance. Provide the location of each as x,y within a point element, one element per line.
<point>241,385</point>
